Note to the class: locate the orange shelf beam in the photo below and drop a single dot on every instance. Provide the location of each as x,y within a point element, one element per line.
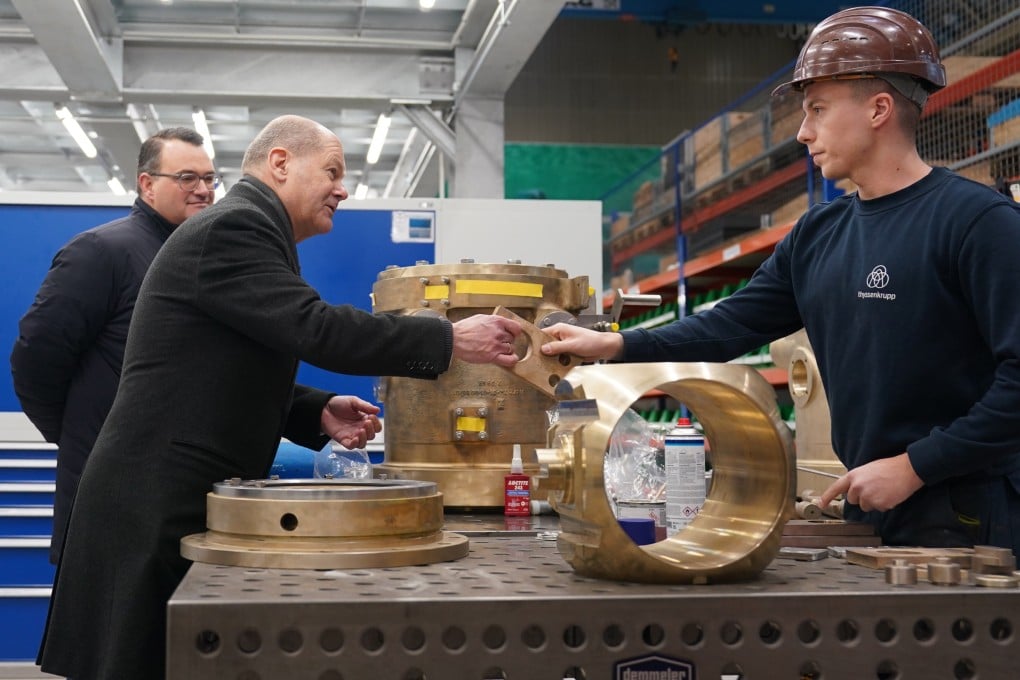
<point>665,235</point>
<point>721,207</point>
<point>975,82</point>
<point>754,243</point>
<point>751,193</point>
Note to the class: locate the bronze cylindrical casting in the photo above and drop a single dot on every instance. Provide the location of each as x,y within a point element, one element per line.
<point>459,430</point>
<point>738,531</point>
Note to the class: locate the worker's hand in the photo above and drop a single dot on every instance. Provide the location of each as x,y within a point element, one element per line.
<point>350,421</point>
<point>486,338</point>
<point>583,342</point>
<point>879,485</point>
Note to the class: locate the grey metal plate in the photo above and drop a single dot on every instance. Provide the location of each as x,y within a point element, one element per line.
<point>514,609</point>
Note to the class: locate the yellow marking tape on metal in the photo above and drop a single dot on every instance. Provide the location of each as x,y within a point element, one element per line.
<point>470,424</point>
<point>489,287</point>
<point>437,292</point>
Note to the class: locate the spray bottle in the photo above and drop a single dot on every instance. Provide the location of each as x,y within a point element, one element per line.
<point>517,488</point>
<point>685,475</point>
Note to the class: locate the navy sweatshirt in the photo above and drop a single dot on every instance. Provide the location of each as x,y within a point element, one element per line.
<point>910,303</point>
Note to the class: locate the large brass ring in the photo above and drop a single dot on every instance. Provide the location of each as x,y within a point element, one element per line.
<point>737,533</point>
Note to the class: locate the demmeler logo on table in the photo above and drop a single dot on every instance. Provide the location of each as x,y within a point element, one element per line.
<point>654,667</point>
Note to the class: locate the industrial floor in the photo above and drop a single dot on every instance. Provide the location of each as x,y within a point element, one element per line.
<point>22,671</point>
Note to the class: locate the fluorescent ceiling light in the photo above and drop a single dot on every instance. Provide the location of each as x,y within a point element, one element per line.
<point>77,134</point>
<point>361,191</point>
<point>136,121</point>
<point>202,128</point>
<point>382,128</point>
<point>116,187</point>
<point>426,4</point>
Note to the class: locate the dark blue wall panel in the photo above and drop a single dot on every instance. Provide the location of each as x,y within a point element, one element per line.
<point>30,235</point>
<point>341,265</point>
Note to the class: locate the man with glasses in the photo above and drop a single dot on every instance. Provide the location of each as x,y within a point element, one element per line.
<point>66,362</point>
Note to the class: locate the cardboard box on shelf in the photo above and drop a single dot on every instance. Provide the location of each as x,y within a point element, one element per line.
<point>667,262</point>
<point>790,211</point>
<point>620,225</point>
<point>959,67</point>
<point>785,116</point>
<point>624,280</point>
<point>979,172</point>
<point>1004,125</point>
<point>644,195</point>
<point>707,170</point>
<point>709,135</point>
<point>709,236</point>
<point>746,141</point>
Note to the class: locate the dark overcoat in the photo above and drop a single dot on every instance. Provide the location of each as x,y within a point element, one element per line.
<point>66,361</point>
<point>221,322</point>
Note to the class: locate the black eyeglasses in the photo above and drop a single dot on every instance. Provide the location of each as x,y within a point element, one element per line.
<point>188,181</point>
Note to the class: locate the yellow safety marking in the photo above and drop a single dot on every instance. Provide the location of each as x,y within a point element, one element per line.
<point>437,292</point>
<point>470,424</point>
<point>489,287</point>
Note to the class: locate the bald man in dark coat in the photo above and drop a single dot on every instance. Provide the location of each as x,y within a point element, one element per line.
<point>222,320</point>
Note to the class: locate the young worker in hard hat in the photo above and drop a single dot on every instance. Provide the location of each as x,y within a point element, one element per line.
<point>907,289</point>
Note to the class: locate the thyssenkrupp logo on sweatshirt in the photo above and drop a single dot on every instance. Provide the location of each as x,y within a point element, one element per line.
<point>877,280</point>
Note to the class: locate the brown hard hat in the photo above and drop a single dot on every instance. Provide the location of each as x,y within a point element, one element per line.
<point>868,40</point>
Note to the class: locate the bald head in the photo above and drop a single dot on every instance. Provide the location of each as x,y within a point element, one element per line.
<point>300,136</point>
<point>302,162</point>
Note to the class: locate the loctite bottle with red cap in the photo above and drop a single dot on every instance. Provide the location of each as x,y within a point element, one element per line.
<point>517,488</point>
<point>685,475</point>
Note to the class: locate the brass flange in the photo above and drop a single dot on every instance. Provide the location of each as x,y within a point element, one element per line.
<point>737,533</point>
<point>324,524</point>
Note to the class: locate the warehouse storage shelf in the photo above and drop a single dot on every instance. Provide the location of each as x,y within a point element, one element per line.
<point>978,85</point>
<point>748,191</point>
<point>766,183</point>
<point>755,188</point>
<point>728,263</point>
<point>722,266</point>
<point>738,199</point>
<point>1008,151</point>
